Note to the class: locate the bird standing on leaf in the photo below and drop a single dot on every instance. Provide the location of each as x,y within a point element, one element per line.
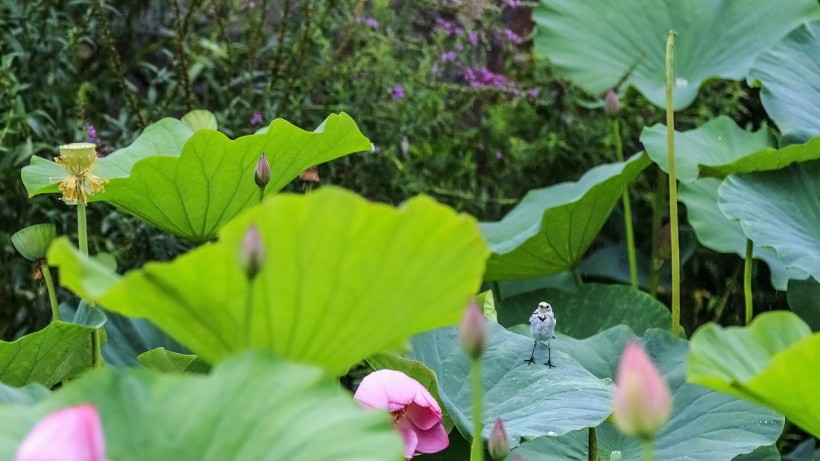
<point>542,328</point>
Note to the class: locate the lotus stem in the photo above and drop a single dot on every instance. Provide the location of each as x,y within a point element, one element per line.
<point>248,315</point>
<point>576,275</point>
<point>648,452</point>
<point>52,294</point>
<point>657,210</point>
<point>477,447</point>
<point>82,237</point>
<point>630,234</point>
<point>673,185</point>
<point>747,280</point>
<point>593,445</point>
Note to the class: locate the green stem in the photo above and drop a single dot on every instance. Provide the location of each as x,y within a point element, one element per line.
<point>82,228</point>
<point>496,291</point>
<point>648,452</point>
<point>576,275</point>
<point>747,279</point>
<point>52,295</point>
<point>477,449</point>
<point>657,215</point>
<point>82,237</point>
<point>248,316</point>
<point>593,445</point>
<point>673,186</point>
<point>630,234</point>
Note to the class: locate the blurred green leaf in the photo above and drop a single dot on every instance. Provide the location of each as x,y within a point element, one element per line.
<point>26,395</point>
<point>595,43</point>
<point>773,362</point>
<point>163,360</point>
<point>549,231</point>
<point>250,407</point>
<point>791,90</point>
<point>343,278</point>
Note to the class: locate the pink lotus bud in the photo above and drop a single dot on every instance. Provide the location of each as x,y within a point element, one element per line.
<point>642,401</point>
<point>252,252</point>
<point>497,444</point>
<point>472,331</point>
<point>612,104</point>
<point>70,434</point>
<point>261,174</point>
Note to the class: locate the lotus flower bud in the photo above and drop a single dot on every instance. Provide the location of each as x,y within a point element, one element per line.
<point>612,104</point>
<point>497,444</point>
<point>252,252</point>
<point>261,174</point>
<point>70,434</point>
<point>472,331</point>
<point>642,401</point>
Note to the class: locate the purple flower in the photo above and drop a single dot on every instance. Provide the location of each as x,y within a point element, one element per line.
<point>447,56</point>
<point>448,28</point>
<point>91,134</point>
<point>370,22</point>
<point>514,3</point>
<point>397,92</point>
<point>473,38</point>
<point>256,119</point>
<point>499,155</point>
<point>534,92</point>
<point>513,37</point>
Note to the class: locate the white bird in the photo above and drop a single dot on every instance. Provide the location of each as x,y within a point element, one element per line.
<point>542,328</point>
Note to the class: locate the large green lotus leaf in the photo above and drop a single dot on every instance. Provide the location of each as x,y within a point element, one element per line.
<point>766,159</point>
<point>163,138</point>
<point>60,351</point>
<point>698,415</point>
<point>718,142</point>
<point>595,43</point>
<point>252,407</point>
<point>717,232</point>
<point>775,361</point>
<point>778,209</point>
<point>551,228</point>
<point>791,90</point>
<point>590,309</point>
<point>804,300</point>
<point>342,278</point>
<point>532,400</point>
<point>212,180</point>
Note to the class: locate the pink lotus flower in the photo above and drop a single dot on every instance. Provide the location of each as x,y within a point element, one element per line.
<point>642,401</point>
<point>70,434</point>
<point>416,414</point>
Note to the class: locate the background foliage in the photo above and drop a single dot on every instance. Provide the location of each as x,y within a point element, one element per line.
<point>449,92</point>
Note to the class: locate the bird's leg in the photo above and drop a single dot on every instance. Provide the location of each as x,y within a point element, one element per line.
<point>531,360</point>
<point>549,356</point>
